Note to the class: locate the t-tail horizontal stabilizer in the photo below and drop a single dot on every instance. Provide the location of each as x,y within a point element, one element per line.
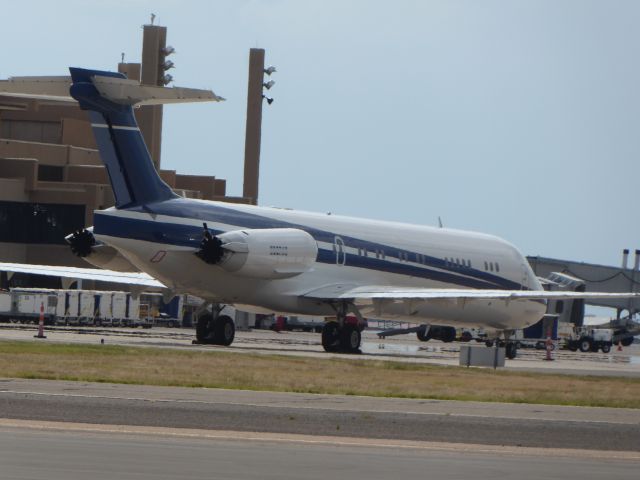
<point>109,98</point>
<point>116,89</point>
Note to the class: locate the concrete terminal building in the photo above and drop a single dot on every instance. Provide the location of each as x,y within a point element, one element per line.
<point>51,176</point>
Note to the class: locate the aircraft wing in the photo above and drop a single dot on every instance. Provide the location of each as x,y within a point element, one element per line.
<point>349,292</point>
<point>127,278</point>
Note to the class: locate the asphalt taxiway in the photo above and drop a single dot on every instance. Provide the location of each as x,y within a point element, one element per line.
<point>521,425</point>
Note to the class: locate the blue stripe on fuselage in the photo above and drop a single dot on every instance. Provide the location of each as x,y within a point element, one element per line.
<point>191,236</point>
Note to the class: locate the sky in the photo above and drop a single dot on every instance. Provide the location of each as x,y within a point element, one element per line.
<point>517,118</point>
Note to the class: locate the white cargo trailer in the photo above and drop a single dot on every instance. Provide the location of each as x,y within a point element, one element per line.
<point>119,308</point>
<point>86,311</point>
<point>68,306</point>
<point>133,311</point>
<point>75,307</point>
<point>103,308</point>
<point>5,306</point>
<point>27,303</point>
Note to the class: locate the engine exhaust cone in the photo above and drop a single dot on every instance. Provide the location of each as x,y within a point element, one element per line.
<point>211,250</point>
<point>82,242</point>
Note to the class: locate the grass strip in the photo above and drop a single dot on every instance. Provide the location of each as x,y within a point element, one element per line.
<point>214,369</point>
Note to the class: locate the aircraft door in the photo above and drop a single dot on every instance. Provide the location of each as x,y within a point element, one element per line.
<point>339,250</point>
<point>525,277</point>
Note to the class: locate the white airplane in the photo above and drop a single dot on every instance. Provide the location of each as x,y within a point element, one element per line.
<point>275,260</point>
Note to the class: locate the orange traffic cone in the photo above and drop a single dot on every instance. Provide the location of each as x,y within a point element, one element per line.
<point>41,323</point>
<point>619,346</point>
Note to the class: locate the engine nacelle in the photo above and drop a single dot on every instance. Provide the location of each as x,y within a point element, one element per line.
<point>103,256</point>
<point>84,245</point>
<point>267,253</point>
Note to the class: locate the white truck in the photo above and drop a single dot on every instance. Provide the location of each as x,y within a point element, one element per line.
<point>588,339</point>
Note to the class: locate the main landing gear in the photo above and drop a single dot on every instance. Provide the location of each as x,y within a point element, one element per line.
<point>344,335</point>
<point>215,329</point>
<point>511,350</point>
<point>510,347</point>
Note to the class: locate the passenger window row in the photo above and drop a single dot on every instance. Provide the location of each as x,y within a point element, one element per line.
<point>457,262</point>
<point>422,259</point>
<point>491,266</point>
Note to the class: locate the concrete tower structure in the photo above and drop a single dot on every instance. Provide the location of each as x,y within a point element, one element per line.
<point>254,125</point>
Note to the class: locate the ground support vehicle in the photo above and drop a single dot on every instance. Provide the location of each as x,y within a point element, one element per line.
<point>541,335</point>
<point>590,340</point>
<point>305,324</point>
<point>423,332</point>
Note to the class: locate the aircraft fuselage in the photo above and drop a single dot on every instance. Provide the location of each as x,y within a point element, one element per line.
<point>162,238</point>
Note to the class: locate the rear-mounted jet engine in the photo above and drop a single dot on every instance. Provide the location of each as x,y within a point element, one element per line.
<point>269,253</point>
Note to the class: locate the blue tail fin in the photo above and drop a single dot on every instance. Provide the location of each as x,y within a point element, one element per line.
<point>133,176</point>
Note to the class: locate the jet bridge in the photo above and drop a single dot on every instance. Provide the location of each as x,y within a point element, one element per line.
<point>601,278</point>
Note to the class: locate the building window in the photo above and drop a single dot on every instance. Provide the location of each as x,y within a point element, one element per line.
<point>39,222</point>
<point>50,173</point>
<point>32,131</point>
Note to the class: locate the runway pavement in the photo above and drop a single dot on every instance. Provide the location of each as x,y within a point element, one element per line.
<point>335,415</point>
<point>51,453</point>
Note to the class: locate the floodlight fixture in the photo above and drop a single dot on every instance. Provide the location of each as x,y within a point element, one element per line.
<point>168,50</point>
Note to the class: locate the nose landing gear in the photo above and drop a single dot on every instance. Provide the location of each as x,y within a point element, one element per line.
<point>510,346</point>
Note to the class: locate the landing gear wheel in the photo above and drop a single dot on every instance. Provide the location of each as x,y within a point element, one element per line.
<point>203,328</point>
<point>219,331</point>
<point>423,335</point>
<point>511,350</point>
<point>224,331</point>
<point>330,337</point>
<point>447,334</point>
<point>350,339</point>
